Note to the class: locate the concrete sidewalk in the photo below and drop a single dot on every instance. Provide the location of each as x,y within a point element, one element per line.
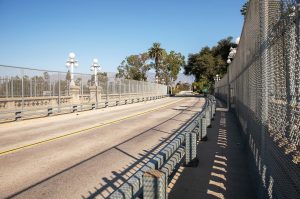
<point>222,171</point>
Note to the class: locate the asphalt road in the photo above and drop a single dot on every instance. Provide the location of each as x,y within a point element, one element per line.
<point>87,154</point>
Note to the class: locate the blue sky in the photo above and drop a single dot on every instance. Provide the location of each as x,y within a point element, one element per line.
<point>41,33</point>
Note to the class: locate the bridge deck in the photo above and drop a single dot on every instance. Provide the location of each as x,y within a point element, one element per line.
<point>222,171</point>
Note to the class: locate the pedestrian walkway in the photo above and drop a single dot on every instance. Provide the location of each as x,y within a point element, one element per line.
<point>222,171</point>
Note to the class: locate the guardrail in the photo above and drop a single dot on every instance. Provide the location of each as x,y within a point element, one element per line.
<point>151,180</point>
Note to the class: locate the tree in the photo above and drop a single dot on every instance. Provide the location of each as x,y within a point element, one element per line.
<point>171,66</point>
<point>102,77</point>
<point>156,53</point>
<point>220,52</point>
<point>244,9</point>
<point>68,80</point>
<point>201,64</point>
<point>167,66</point>
<point>68,76</point>
<point>209,62</point>
<point>181,87</point>
<point>201,86</point>
<point>134,67</point>
<point>78,81</point>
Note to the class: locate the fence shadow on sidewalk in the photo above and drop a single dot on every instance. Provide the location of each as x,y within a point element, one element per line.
<point>222,172</point>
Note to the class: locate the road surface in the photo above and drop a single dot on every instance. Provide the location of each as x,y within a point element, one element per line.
<point>86,154</point>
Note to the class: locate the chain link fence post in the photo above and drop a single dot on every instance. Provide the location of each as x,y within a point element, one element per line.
<point>22,73</point>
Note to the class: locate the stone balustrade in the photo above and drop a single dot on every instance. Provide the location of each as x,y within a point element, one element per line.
<point>74,101</point>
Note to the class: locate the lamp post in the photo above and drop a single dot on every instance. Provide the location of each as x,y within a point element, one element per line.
<point>229,60</point>
<point>95,68</point>
<point>71,62</point>
<point>156,79</point>
<point>217,78</point>
<point>231,55</point>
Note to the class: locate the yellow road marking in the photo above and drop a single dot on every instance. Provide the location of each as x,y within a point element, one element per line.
<point>84,130</point>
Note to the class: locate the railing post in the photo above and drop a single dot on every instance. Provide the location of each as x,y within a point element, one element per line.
<point>190,147</point>
<point>50,111</point>
<point>207,115</point>
<point>213,108</point>
<point>199,120</point>
<point>154,185</point>
<point>203,129</point>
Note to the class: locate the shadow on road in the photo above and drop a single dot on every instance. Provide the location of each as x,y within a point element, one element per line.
<point>120,177</point>
<point>117,178</point>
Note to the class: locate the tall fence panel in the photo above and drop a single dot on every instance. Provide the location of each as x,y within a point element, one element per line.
<point>27,93</point>
<point>262,88</point>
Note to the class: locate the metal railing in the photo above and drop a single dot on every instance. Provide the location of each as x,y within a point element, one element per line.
<point>262,88</point>
<point>26,93</point>
<point>181,148</point>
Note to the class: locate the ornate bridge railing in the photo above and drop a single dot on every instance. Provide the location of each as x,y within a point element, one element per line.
<point>262,88</point>
<point>27,93</point>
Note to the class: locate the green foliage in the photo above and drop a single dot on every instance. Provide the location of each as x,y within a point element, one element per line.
<point>134,67</point>
<point>171,66</point>
<point>209,62</point>
<point>202,86</point>
<point>46,75</point>
<point>181,87</point>
<point>68,76</point>
<point>166,65</point>
<point>102,76</point>
<point>157,53</point>
<point>244,9</point>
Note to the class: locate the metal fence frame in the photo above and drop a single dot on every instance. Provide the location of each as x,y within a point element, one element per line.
<point>262,87</point>
<point>27,93</point>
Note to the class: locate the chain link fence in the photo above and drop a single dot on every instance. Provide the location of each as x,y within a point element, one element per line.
<point>26,93</point>
<point>262,87</point>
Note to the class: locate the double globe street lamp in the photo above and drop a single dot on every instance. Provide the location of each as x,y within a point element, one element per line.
<point>71,63</point>
<point>95,68</point>
<point>217,78</point>
<point>231,55</point>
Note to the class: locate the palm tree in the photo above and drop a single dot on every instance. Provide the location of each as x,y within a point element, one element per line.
<point>156,53</point>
